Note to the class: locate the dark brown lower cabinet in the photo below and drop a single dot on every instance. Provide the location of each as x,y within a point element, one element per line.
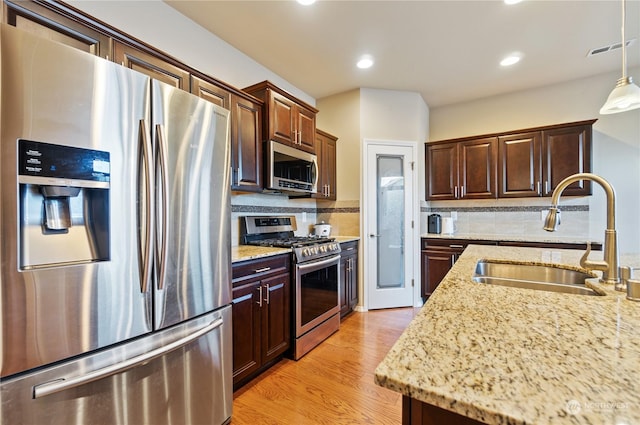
<point>415,412</point>
<point>261,315</point>
<point>436,263</point>
<point>438,256</point>
<point>348,277</point>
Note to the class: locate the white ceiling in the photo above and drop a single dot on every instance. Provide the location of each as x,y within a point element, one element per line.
<point>446,50</point>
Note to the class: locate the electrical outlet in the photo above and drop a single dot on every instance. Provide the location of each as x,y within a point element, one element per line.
<point>454,215</point>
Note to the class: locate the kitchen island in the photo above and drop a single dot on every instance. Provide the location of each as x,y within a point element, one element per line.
<point>501,355</point>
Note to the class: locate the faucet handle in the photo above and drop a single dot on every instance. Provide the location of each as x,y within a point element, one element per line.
<point>630,283</point>
<point>593,264</point>
<point>585,256</point>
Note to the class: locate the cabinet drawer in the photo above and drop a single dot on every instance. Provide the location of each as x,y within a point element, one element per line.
<point>448,244</point>
<point>259,268</point>
<point>349,247</point>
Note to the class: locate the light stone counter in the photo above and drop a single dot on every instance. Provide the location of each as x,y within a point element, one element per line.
<point>518,356</point>
<point>343,239</point>
<point>250,252</point>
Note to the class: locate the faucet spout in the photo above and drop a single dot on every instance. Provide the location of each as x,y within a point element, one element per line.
<point>610,265</point>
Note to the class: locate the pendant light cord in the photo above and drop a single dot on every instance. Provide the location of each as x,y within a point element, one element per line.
<point>624,47</point>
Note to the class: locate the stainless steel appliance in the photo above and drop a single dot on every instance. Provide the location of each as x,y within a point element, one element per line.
<point>316,278</point>
<point>114,244</point>
<point>290,169</point>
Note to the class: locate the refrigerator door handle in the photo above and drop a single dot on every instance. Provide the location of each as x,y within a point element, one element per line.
<point>148,205</point>
<point>163,208</point>
<point>63,384</point>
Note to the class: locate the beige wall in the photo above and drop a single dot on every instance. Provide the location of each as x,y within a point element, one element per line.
<point>340,116</point>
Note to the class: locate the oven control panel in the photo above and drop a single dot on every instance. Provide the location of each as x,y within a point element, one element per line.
<point>312,252</point>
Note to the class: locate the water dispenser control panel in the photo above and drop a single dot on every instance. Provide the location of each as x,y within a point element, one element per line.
<point>49,164</point>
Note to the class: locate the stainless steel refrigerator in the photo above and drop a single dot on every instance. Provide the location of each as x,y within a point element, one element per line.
<point>114,244</point>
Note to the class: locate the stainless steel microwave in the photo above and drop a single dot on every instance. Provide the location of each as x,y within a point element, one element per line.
<point>290,169</point>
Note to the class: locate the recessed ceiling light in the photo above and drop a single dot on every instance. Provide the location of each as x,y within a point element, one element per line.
<point>306,2</point>
<point>511,60</point>
<point>512,1</point>
<point>365,62</point>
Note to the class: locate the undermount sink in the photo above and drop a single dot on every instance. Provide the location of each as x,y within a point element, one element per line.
<point>534,276</point>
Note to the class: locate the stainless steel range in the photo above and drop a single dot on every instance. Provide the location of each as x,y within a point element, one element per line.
<point>315,279</point>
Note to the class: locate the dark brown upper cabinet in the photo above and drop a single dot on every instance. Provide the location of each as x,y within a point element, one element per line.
<point>246,132</point>
<point>326,145</point>
<point>522,163</point>
<point>566,151</point>
<point>151,65</point>
<point>533,163</point>
<point>288,120</point>
<point>461,170</point>
<point>57,23</point>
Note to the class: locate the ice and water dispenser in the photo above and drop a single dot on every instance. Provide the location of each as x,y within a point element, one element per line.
<point>64,204</point>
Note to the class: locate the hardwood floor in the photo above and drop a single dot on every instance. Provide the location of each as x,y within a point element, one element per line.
<point>333,384</point>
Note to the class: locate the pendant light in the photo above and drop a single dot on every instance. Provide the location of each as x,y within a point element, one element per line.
<point>626,95</point>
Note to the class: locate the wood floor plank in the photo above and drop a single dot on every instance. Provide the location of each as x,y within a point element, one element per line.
<point>333,384</point>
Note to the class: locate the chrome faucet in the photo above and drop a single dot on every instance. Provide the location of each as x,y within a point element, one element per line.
<point>610,265</point>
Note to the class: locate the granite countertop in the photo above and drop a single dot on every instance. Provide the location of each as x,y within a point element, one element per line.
<point>506,237</point>
<point>516,356</point>
<point>343,239</point>
<point>250,252</point>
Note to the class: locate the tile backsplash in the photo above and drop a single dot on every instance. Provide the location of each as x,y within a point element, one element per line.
<point>517,217</point>
<point>304,209</point>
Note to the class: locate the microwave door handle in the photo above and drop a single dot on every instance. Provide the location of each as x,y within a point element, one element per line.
<point>314,173</point>
<point>163,207</point>
<point>146,245</point>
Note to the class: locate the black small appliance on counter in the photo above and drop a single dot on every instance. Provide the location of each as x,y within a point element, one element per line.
<point>435,224</point>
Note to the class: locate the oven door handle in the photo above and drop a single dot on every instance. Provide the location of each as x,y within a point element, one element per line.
<point>316,264</point>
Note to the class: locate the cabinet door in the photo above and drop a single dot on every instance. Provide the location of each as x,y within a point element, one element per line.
<point>566,151</point>
<point>442,171</point>
<point>477,169</point>
<point>435,265</point>
<point>209,91</point>
<point>276,320</point>
<point>246,321</point>
<point>281,119</point>
<point>246,145</point>
<point>326,151</point>
<point>151,65</point>
<point>352,281</point>
<point>344,287</point>
<point>306,128</point>
<point>45,23</point>
<point>330,169</point>
<point>519,165</point>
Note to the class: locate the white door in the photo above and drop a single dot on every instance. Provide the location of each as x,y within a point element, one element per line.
<point>389,219</point>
